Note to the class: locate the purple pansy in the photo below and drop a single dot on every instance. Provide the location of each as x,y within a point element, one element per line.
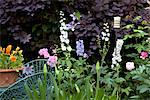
<point>28,70</point>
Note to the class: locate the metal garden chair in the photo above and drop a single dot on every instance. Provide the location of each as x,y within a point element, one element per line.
<point>37,67</point>
<point>17,90</point>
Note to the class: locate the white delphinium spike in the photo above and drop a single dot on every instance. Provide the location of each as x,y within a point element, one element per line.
<point>105,34</point>
<point>64,34</point>
<point>116,54</point>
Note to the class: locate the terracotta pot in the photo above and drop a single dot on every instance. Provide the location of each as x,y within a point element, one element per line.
<point>8,76</point>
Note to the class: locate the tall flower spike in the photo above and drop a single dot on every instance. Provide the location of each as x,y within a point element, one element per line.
<point>80,49</point>
<point>116,54</point>
<point>64,34</point>
<point>105,33</point>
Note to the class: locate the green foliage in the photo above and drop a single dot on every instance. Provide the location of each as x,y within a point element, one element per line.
<point>138,79</point>
<point>139,39</point>
<point>142,75</point>
<point>58,92</point>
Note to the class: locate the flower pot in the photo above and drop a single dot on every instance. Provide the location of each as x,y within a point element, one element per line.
<point>8,76</point>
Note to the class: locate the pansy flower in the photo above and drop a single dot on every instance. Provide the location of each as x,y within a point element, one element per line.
<point>13,58</point>
<point>28,70</point>
<point>8,49</point>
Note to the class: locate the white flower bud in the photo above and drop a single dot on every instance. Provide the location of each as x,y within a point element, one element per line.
<point>103,33</point>
<point>69,48</point>
<point>108,34</point>
<point>103,38</point>
<point>107,30</point>
<point>67,41</point>
<point>106,39</point>
<point>63,47</point>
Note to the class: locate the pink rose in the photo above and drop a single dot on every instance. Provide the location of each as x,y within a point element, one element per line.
<point>143,55</point>
<point>44,52</point>
<point>52,61</point>
<point>130,66</point>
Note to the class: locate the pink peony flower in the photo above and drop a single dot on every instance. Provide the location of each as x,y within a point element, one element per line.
<point>143,55</point>
<point>130,66</point>
<point>52,61</point>
<point>44,52</point>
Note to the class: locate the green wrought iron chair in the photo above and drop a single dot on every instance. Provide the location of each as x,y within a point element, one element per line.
<point>17,90</point>
<point>37,66</point>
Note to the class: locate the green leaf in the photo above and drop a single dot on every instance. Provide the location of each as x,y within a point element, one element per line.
<point>143,88</point>
<point>97,66</point>
<point>120,80</point>
<point>113,98</point>
<point>137,18</point>
<point>60,74</point>
<point>35,93</point>
<point>135,97</point>
<point>42,89</point>
<point>56,70</point>
<point>45,68</point>
<point>127,90</point>
<point>77,14</point>
<point>68,62</point>
<point>28,91</point>
<point>77,88</point>
<point>129,26</point>
<point>100,94</point>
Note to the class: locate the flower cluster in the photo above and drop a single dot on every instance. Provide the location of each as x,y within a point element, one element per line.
<point>64,34</point>
<point>80,49</point>
<point>105,34</point>
<point>52,60</point>
<point>71,26</point>
<point>116,54</point>
<point>10,58</point>
<point>44,52</point>
<point>144,55</point>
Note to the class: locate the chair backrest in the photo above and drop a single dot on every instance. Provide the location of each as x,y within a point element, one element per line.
<point>17,90</point>
<point>37,66</point>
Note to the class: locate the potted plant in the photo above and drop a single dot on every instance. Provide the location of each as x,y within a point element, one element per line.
<point>11,62</point>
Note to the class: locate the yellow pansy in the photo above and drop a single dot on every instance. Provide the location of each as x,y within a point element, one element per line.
<point>18,48</point>
<point>20,52</point>
<point>14,52</point>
